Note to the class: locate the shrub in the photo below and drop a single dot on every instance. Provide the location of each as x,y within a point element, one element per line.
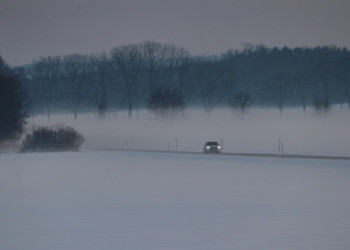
<point>321,105</point>
<point>60,138</point>
<point>164,101</point>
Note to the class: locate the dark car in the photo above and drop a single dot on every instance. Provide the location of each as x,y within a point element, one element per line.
<point>211,147</point>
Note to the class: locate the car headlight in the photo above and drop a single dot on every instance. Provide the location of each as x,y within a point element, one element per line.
<point>219,147</point>
<point>208,147</point>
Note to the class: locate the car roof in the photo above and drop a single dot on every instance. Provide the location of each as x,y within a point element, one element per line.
<point>211,143</point>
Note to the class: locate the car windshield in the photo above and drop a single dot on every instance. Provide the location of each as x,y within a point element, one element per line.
<point>212,143</point>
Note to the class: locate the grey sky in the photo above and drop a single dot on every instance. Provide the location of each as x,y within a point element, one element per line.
<point>33,28</point>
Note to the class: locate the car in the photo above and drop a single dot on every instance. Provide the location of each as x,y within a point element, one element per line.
<point>212,147</point>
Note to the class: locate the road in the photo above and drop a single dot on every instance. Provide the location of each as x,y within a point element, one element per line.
<point>286,156</point>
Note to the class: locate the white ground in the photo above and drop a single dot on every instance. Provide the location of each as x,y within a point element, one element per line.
<point>135,200</point>
<point>99,199</point>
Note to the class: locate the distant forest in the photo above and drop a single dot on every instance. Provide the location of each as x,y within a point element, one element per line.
<point>127,77</point>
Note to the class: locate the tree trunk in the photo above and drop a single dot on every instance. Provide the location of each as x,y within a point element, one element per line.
<point>75,114</point>
<point>129,110</point>
<point>48,113</point>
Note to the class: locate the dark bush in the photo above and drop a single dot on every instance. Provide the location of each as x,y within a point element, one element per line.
<point>321,105</point>
<point>164,101</point>
<point>60,138</point>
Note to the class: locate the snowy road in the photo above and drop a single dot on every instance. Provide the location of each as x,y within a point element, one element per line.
<point>145,200</point>
<point>260,155</point>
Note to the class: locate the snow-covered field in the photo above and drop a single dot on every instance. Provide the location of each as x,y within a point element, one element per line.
<point>142,200</point>
<point>100,198</point>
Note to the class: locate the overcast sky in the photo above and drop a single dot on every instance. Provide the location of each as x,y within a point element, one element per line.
<point>33,28</point>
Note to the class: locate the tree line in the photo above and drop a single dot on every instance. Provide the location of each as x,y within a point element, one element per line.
<point>165,78</point>
<point>12,104</point>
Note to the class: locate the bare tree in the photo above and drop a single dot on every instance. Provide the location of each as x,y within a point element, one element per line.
<point>278,78</point>
<point>74,68</point>
<point>323,69</point>
<point>128,62</point>
<point>301,79</point>
<point>154,56</point>
<point>183,69</point>
<point>278,83</point>
<point>103,69</point>
<point>211,83</point>
<point>46,73</point>
<point>347,93</point>
<point>162,62</point>
<point>347,79</point>
<point>240,102</point>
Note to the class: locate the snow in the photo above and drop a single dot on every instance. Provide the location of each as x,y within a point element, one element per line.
<point>142,200</point>
<point>102,198</point>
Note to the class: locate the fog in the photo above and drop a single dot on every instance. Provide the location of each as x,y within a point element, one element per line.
<point>259,132</point>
